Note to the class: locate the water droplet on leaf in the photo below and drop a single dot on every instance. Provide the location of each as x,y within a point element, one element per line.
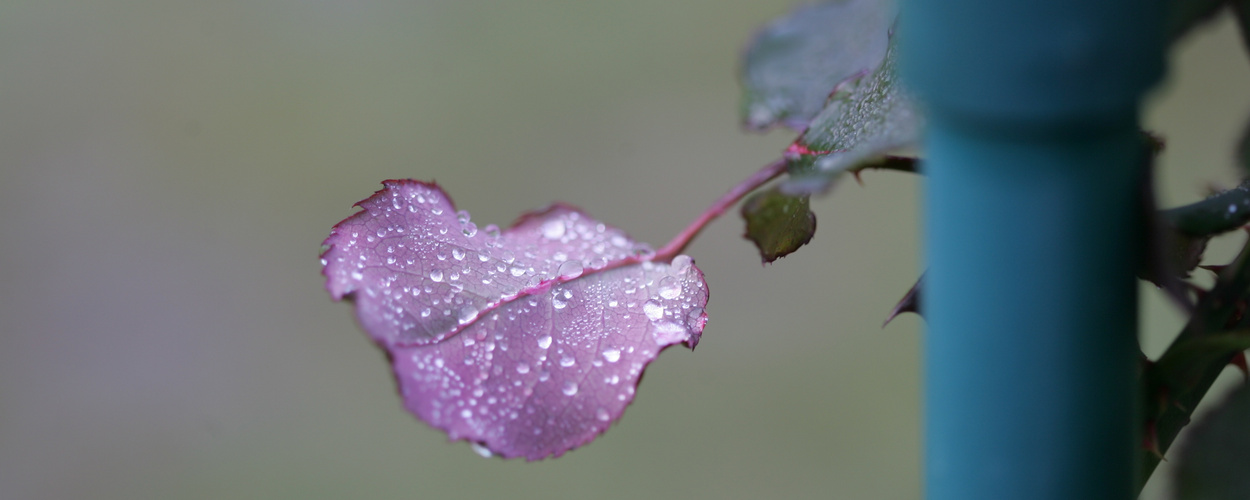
<point>670,288</point>
<point>468,314</point>
<point>653,310</point>
<point>553,229</point>
<point>570,269</point>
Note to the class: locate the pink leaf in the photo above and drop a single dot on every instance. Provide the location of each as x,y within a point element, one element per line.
<point>529,340</point>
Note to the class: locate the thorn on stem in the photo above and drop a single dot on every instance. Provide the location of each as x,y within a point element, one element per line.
<point>1239,360</point>
<point>910,303</point>
<point>1150,441</point>
<point>1214,268</point>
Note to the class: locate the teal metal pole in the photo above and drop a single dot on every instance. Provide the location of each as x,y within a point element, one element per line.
<point>1033,164</point>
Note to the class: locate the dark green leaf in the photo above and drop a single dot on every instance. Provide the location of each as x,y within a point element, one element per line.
<point>1213,464</point>
<point>794,62</point>
<point>1178,381</point>
<point>777,223</point>
<point>1221,213</point>
<point>870,118</point>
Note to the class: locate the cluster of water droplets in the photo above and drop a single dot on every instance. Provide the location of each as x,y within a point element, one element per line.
<point>548,372</point>
<point>424,270</point>
<point>873,116</point>
<point>547,346</point>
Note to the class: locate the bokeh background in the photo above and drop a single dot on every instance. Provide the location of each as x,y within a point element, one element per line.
<point>168,170</point>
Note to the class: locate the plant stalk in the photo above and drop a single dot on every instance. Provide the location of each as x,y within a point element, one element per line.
<point>679,243</point>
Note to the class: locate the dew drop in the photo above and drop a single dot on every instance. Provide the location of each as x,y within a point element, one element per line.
<point>468,314</point>
<point>516,271</point>
<point>601,414</point>
<point>570,388</point>
<point>670,288</point>
<point>425,313</point>
<point>523,368</point>
<point>695,319</point>
<point>653,310</point>
<point>553,229</point>
<point>567,361</point>
<point>436,211</point>
<point>612,355</point>
<point>667,332</point>
<point>570,269</point>
<point>544,342</point>
<point>436,275</point>
<point>470,229</point>
<point>457,254</point>
<point>680,265</point>
<point>481,450</point>
<point>558,303</point>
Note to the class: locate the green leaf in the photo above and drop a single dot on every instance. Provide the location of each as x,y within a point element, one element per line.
<point>1217,214</point>
<point>794,62</point>
<point>1174,385</point>
<point>1214,462</point>
<point>861,123</point>
<point>777,223</point>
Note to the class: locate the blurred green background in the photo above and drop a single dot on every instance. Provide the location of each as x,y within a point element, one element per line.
<point>168,170</point>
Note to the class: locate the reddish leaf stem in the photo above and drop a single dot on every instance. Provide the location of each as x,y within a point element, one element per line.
<point>678,244</point>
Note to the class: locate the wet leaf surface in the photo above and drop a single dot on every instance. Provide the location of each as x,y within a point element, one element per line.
<point>863,122</point>
<point>793,63</point>
<point>530,340</point>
